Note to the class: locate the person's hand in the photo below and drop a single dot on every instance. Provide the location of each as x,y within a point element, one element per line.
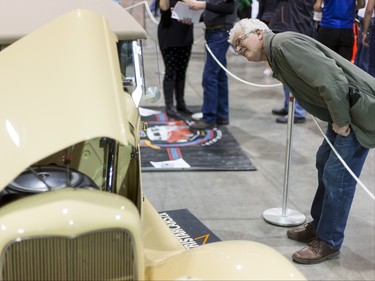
<point>365,39</point>
<point>186,21</point>
<point>196,5</point>
<point>342,131</point>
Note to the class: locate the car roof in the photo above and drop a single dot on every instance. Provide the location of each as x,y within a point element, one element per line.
<point>20,17</point>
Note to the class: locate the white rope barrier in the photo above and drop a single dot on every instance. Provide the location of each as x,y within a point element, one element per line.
<point>266,86</point>
<point>239,79</point>
<point>343,162</point>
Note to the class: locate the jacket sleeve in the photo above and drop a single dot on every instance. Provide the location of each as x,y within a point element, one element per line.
<point>321,75</point>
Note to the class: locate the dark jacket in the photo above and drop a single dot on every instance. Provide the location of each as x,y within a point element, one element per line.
<point>266,10</point>
<point>294,15</point>
<point>220,12</point>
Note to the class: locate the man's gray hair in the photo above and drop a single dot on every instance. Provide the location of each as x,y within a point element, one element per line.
<point>247,26</point>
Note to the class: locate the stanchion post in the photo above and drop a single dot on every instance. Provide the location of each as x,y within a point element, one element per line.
<point>284,216</point>
<point>144,15</point>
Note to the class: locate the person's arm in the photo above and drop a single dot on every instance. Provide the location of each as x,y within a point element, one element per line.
<point>225,7</point>
<point>164,5</point>
<point>318,6</point>
<point>196,5</point>
<point>366,22</point>
<point>359,4</point>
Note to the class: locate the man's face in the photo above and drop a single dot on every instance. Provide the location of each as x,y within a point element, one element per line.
<point>248,45</point>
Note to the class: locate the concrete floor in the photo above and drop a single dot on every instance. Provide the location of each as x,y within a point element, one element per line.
<point>231,204</point>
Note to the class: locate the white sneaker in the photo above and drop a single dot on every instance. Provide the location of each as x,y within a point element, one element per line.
<point>197,116</point>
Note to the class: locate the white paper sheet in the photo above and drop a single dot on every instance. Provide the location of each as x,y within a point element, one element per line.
<point>182,11</point>
<point>172,164</point>
<point>147,112</point>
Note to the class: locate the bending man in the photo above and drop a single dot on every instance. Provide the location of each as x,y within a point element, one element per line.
<point>336,91</point>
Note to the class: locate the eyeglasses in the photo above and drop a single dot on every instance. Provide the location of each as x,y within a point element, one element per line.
<point>239,40</point>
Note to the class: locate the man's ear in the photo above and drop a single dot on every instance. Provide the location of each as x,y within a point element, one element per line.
<point>259,33</point>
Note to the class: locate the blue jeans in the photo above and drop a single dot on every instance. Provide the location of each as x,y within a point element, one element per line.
<point>215,80</point>
<point>299,112</point>
<point>371,59</point>
<point>362,57</point>
<point>336,187</point>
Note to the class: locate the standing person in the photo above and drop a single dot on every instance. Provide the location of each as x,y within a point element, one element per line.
<point>175,42</point>
<point>266,11</point>
<point>154,7</point>
<point>298,16</point>
<point>336,27</point>
<point>368,35</point>
<point>362,55</point>
<point>333,89</point>
<point>218,17</point>
<point>244,9</point>
<point>317,18</point>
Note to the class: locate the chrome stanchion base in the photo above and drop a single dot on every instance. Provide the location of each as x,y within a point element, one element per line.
<point>275,216</point>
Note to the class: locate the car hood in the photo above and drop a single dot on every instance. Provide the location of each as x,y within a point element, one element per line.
<point>60,85</point>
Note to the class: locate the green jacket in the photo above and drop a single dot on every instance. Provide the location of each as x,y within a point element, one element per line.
<point>319,79</point>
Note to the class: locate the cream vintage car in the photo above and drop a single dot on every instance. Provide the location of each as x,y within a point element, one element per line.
<point>71,200</point>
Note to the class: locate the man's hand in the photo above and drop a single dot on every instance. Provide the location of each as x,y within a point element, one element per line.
<point>342,131</point>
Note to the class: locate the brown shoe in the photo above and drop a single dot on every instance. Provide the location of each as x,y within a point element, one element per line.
<point>316,252</point>
<point>302,234</point>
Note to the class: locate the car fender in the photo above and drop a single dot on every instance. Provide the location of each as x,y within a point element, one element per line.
<point>226,260</point>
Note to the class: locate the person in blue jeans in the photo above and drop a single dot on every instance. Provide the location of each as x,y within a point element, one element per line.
<point>337,197</point>
<point>218,17</point>
<point>274,11</point>
<point>215,107</point>
<point>368,36</point>
<point>299,112</point>
<point>294,16</point>
<point>363,52</point>
<point>336,91</point>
